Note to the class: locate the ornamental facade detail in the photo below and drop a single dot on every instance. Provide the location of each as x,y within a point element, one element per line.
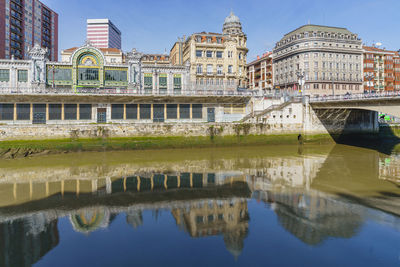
<point>89,68</point>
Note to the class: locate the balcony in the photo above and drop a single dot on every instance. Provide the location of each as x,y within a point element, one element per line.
<point>16,15</point>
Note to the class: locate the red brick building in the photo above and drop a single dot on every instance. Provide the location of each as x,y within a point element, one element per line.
<point>381,69</point>
<point>259,73</point>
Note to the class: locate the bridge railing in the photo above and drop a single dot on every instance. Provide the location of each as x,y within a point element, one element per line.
<point>346,97</point>
<point>118,91</point>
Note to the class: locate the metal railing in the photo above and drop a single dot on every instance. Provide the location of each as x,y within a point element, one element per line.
<point>192,91</point>
<point>121,91</point>
<point>347,97</point>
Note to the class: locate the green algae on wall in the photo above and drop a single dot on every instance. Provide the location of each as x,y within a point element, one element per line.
<point>25,148</point>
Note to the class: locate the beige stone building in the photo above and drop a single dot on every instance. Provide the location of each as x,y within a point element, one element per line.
<point>328,58</point>
<point>217,60</point>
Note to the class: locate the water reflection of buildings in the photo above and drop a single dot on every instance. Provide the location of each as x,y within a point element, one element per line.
<point>313,217</point>
<point>92,205</point>
<point>203,202</point>
<point>389,168</point>
<point>24,241</point>
<point>216,217</point>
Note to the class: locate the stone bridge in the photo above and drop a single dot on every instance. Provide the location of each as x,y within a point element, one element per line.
<point>348,113</point>
<point>384,104</point>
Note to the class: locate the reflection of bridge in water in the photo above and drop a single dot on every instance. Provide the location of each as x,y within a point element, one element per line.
<point>209,200</point>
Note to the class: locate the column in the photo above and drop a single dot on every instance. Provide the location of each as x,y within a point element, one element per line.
<point>77,112</point>
<point>15,191</point>
<point>124,111</point>
<point>170,84</point>
<point>165,112</point>
<point>30,189</point>
<point>108,185</point>
<point>62,188</point>
<point>94,186</point>
<point>15,111</point>
<point>124,181</point>
<point>13,77</point>
<point>165,181</point>
<point>138,183</point>
<point>31,115</point>
<point>138,111</point>
<point>78,187</point>
<point>190,111</point>
<point>62,111</point>
<point>177,111</point>
<point>47,112</point>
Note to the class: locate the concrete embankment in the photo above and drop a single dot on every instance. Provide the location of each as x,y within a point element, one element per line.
<point>30,140</point>
<point>28,148</point>
<point>120,130</point>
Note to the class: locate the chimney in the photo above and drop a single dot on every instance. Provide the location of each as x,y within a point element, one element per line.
<point>258,57</point>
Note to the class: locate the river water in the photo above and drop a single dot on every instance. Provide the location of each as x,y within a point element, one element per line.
<point>329,205</point>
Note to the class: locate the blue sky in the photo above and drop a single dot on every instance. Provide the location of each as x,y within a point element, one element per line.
<point>152,26</point>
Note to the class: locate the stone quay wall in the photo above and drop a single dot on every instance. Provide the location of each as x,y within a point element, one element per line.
<point>62,131</point>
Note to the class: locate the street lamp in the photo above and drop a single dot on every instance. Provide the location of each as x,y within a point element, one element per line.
<point>300,77</point>
<point>53,68</point>
<point>369,78</point>
<point>155,87</point>
<point>285,92</point>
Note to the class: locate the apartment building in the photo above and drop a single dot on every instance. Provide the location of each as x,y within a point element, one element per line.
<point>24,23</point>
<point>381,69</point>
<point>259,73</point>
<point>328,59</point>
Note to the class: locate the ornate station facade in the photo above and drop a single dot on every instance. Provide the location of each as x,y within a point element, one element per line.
<point>90,68</point>
<point>106,85</point>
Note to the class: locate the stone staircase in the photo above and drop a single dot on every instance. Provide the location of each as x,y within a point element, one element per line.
<point>257,114</point>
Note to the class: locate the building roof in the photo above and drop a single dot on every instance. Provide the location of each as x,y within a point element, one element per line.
<point>104,50</point>
<point>263,57</point>
<point>207,33</point>
<point>376,49</point>
<point>156,55</point>
<point>232,18</point>
<point>321,28</point>
<point>95,21</point>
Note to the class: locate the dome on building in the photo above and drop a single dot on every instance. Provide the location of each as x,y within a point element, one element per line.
<point>232,25</point>
<point>232,18</point>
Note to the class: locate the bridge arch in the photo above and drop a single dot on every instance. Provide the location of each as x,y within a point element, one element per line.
<point>385,105</point>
